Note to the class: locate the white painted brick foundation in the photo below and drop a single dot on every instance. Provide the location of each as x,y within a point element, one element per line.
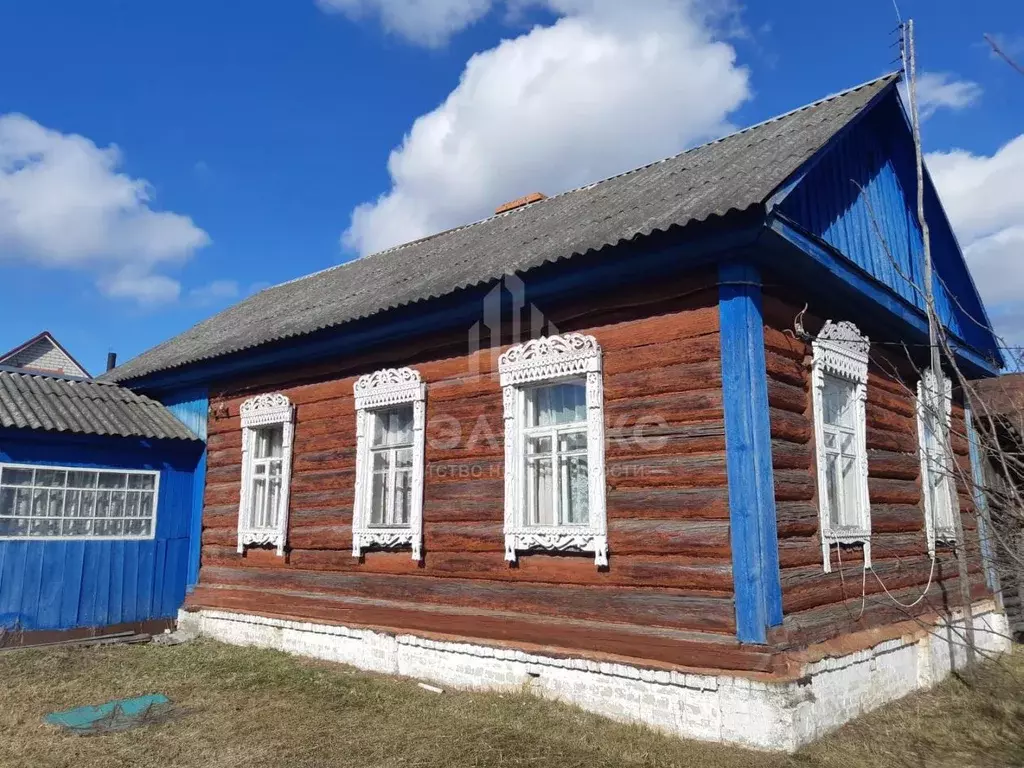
<point>723,708</point>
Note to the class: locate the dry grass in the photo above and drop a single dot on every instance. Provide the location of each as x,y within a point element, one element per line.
<point>253,708</point>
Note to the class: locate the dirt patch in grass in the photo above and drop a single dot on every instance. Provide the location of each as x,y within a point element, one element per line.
<point>263,708</point>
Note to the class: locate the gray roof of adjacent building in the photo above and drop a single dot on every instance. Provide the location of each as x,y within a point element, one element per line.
<point>735,173</point>
<point>72,405</point>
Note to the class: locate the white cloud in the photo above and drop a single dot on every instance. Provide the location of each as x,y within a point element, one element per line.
<point>215,292</point>
<point>938,90</point>
<point>426,22</point>
<point>64,204</point>
<point>605,88</point>
<point>984,198</point>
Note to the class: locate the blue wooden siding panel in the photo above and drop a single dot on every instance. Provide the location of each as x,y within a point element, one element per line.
<point>860,197</point>
<point>191,406</point>
<point>65,584</point>
<point>752,521</point>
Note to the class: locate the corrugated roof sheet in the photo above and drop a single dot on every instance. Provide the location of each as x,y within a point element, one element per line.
<point>83,406</point>
<point>732,174</point>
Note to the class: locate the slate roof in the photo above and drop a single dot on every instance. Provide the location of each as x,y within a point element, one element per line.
<point>83,406</point>
<point>735,173</point>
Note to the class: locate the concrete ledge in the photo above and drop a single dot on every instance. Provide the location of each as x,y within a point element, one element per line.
<point>727,708</point>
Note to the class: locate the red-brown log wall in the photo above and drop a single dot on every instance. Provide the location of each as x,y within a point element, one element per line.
<point>667,594</point>
<point>818,606</point>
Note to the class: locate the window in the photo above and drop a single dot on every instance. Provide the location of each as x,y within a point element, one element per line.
<point>69,502</point>
<point>934,407</point>
<point>267,430</point>
<point>554,446</point>
<point>390,415</point>
<point>839,390</point>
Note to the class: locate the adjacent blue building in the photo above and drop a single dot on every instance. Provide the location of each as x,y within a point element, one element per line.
<point>98,486</point>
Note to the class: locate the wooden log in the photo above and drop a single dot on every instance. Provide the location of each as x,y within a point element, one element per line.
<point>786,425</point>
<point>786,369</point>
<point>640,606</point>
<point>794,485</point>
<point>787,397</point>
<point>789,455</point>
<point>632,503</point>
<point>668,647</point>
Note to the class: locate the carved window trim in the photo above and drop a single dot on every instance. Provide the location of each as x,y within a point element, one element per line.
<point>375,391</point>
<point>263,411</point>
<point>929,385</point>
<point>551,359</point>
<point>841,351</point>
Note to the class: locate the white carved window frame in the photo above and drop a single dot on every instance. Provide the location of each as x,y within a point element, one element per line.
<point>936,533</point>
<point>841,351</point>
<point>264,411</point>
<point>376,391</point>
<point>549,360</point>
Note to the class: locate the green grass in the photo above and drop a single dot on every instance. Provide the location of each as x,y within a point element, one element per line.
<point>254,708</point>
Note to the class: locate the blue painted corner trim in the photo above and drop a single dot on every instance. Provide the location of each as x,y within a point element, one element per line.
<point>191,406</point>
<point>981,502</point>
<point>752,524</point>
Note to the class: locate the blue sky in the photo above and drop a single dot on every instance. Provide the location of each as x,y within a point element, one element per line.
<point>185,154</point>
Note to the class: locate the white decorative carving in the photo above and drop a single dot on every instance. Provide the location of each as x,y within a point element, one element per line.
<point>382,389</point>
<point>266,409</point>
<point>841,351</point>
<point>550,359</point>
<point>262,411</point>
<point>936,529</point>
<point>388,386</point>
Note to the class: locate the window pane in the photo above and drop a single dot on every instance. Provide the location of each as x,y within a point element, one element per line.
<point>575,490</point>
<point>392,427</point>
<point>113,480</point>
<point>403,458</point>
<point>403,496</point>
<point>87,504</point>
<point>38,503</point>
<point>259,499</point>
<point>55,503</point>
<point>273,500</point>
<point>146,505</point>
<point>131,508</point>
<point>573,441</point>
<point>564,403</point>
<point>142,482</point>
<point>270,442</point>
<point>850,496</point>
<point>838,401</point>
<point>540,445</point>
<point>82,479</point>
<point>378,498</point>
<point>833,490</point>
<point>540,504</point>
<point>71,503</point>
<point>51,478</point>
<point>7,501</point>
<point>17,476</point>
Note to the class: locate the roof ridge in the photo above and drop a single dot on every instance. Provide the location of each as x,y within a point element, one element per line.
<point>590,185</point>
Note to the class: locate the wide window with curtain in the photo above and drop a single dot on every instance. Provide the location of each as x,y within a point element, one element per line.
<point>553,399</point>
<point>555,436</point>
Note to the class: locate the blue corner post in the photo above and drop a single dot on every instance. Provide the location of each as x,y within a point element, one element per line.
<point>981,503</point>
<point>191,407</point>
<point>748,444</point>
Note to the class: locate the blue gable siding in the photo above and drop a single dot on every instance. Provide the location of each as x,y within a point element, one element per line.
<point>62,584</point>
<point>859,197</point>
